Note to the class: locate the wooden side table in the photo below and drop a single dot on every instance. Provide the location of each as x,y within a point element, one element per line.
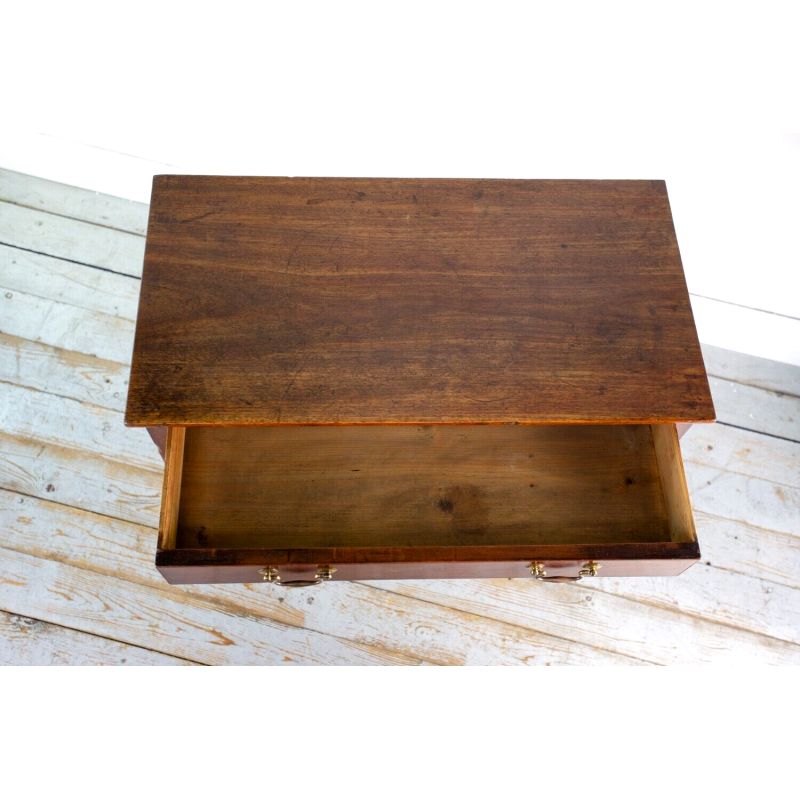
<point>376,378</point>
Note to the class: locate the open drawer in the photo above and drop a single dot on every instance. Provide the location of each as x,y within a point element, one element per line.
<point>309,503</point>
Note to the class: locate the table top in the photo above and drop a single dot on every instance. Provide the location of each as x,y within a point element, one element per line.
<point>328,300</point>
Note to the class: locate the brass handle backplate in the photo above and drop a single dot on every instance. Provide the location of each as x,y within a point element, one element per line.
<point>271,575</point>
<point>589,569</point>
<point>537,570</point>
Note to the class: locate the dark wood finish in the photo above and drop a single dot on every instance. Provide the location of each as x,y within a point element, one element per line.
<point>241,566</point>
<point>313,300</point>
<point>345,353</point>
<point>159,437</point>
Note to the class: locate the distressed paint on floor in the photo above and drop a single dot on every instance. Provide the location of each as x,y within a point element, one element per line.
<point>79,501</point>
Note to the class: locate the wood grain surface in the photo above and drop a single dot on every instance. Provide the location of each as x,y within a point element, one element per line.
<point>673,483</point>
<point>305,300</point>
<point>403,486</point>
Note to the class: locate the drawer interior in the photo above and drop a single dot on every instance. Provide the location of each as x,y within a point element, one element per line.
<point>410,486</point>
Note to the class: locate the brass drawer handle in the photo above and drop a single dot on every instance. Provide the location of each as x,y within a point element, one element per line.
<point>271,575</point>
<point>589,570</point>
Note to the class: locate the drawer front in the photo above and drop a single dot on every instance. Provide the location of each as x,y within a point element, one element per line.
<point>200,566</point>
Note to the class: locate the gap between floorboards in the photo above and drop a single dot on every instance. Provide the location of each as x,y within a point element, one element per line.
<point>101,636</point>
<point>72,219</point>
<point>71,260</point>
<point>760,433</point>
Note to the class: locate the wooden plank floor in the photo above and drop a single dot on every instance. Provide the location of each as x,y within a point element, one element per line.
<point>79,501</point>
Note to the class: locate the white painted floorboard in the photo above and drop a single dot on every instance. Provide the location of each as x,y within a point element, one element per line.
<point>80,494</point>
